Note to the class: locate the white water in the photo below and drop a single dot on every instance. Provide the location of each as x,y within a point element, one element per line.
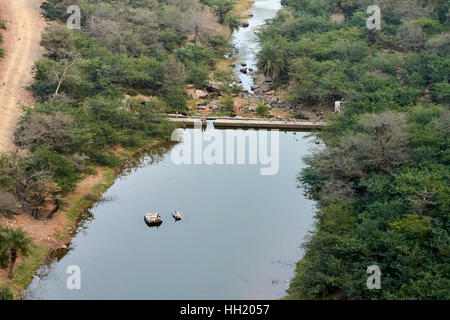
<point>246,42</point>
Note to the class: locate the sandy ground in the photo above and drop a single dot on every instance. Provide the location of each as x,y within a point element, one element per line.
<point>338,17</point>
<point>44,231</point>
<point>21,43</point>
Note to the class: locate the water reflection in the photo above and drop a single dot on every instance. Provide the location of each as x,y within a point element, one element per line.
<point>239,238</point>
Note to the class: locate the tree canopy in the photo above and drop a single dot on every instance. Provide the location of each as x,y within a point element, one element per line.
<point>381,180</point>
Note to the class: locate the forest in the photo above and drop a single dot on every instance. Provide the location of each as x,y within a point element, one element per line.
<point>381,180</point>
<point>109,84</point>
<point>380,171</point>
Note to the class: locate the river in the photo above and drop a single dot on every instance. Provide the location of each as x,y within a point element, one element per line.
<point>239,238</point>
<point>245,40</point>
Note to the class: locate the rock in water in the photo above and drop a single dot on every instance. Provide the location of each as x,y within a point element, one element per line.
<point>153,219</point>
<point>177,215</point>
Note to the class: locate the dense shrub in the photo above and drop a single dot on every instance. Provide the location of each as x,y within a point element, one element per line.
<point>381,181</point>
<point>262,110</point>
<point>5,293</point>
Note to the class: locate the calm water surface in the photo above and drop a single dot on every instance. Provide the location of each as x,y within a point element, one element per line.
<point>239,240</point>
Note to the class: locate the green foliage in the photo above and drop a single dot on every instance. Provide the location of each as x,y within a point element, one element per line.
<point>413,225</point>
<point>82,114</point>
<point>62,168</point>
<point>441,93</point>
<point>262,110</point>
<point>50,12</point>
<point>176,98</point>
<point>271,60</point>
<point>222,8</point>
<point>430,26</point>
<point>233,22</point>
<point>226,103</point>
<point>5,293</point>
<point>382,181</point>
<point>16,243</point>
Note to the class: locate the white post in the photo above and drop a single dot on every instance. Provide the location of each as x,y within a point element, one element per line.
<point>337,107</point>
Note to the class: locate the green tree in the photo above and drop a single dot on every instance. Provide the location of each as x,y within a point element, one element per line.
<point>233,22</point>
<point>222,8</point>
<point>271,60</point>
<point>5,293</point>
<point>262,110</point>
<point>227,103</point>
<point>15,242</point>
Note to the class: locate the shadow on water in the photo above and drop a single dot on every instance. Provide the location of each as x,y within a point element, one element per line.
<point>239,238</point>
<point>144,158</point>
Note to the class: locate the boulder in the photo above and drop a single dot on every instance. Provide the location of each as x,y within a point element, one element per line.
<point>201,94</point>
<point>197,94</point>
<point>213,106</point>
<point>214,86</point>
<point>265,88</point>
<point>245,23</point>
<point>177,215</point>
<point>153,219</point>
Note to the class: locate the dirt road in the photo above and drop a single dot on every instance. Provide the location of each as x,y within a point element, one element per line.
<point>21,43</point>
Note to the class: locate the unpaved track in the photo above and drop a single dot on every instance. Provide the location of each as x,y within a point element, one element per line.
<point>21,42</point>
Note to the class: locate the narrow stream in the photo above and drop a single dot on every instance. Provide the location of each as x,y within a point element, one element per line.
<point>246,42</point>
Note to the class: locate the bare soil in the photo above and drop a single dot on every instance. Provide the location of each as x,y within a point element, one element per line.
<point>22,45</point>
<point>46,231</point>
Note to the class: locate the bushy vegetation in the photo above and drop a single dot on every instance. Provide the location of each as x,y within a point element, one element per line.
<point>13,243</point>
<point>5,293</point>
<point>109,84</point>
<point>381,182</point>
<point>262,110</point>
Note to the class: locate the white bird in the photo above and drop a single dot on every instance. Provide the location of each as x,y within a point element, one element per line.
<point>177,215</point>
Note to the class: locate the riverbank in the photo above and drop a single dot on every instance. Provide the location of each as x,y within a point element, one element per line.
<point>115,243</point>
<point>57,232</point>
